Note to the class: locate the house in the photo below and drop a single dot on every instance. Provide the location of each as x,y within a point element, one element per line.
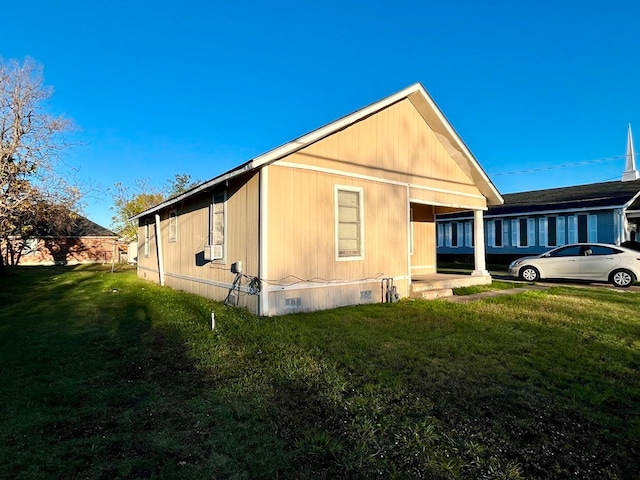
<point>533,222</point>
<point>83,242</point>
<point>329,219</point>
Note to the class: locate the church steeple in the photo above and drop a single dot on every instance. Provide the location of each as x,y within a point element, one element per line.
<point>630,173</point>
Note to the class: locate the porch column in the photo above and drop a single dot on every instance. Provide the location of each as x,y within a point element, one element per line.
<point>478,249</point>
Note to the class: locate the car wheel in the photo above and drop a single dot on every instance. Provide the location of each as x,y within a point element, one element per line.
<point>623,278</point>
<point>530,274</point>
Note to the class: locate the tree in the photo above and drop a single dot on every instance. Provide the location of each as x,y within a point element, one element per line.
<point>180,184</point>
<point>31,143</point>
<point>130,200</point>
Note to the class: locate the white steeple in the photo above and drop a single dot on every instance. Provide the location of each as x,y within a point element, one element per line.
<point>630,173</point>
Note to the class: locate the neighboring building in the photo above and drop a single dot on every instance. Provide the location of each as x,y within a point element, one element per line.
<point>533,222</point>
<point>86,242</point>
<point>325,220</point>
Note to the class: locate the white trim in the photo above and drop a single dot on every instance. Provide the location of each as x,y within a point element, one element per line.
<point>415,267</point>
<point>212,226</point>
<point>332,171</point>
<point>531,213</point>
<point>360,192</point>
<point>309,285</point>
<point>173,214</point>
<point>204,281</point>
<point>159,249</point>
<point>531,232</point>
<point>263,247</point>
<point>438,124</point>
<point>146,233</point>
<point>148,269</point>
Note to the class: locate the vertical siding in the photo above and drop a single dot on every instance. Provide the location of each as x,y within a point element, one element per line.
<point>302,233</point>
<point>423,260</point>
<point>184,264</point>
<point>394,144</point>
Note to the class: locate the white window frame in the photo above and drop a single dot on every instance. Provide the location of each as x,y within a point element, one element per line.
<point>212,225</point>
<point>147,237</point>
<point>173,227</point>
<point>543,232</point>
<point>572,229</point>
<point>505,232</point>
<point>531,232</point>
<point>561,235</point>
<point>491,230</point>
<point>460,234</point>
<point>468,234</point>
<point>440,234</point>
<point>592,228</point>
<point>336,216</point>
<point>515,232</point>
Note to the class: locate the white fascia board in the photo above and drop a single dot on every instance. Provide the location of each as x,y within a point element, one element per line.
<point>197,189</point>
<point>453,136</point>
<point>630,202</point>
<point>335,126</point>
<point>533,213</point>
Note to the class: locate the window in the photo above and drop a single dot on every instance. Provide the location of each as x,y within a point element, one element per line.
<point>552,231</point>
<point>582,228</point>
<point>571,251</point>
<point>560,231</point>
<point>543,237</point>
<point>146,238</point>
<point>349,225</point>
<point>494,233</point>
<point>173,227</point>
<point>454,234</point>
<point>468,234</point>
<point>440,234</point>
<point>523,237</point>
<point>218,226</point>
<point>592,225</point>
<point>531,233</point>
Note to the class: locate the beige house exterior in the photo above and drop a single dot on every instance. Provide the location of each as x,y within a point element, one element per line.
<point>326,220</point>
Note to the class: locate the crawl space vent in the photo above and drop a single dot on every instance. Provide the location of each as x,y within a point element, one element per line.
<point>293,304</point>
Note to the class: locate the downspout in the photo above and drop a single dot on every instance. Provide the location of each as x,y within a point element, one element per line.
<point>159,251</point>
<point>263,234</point>
<point>409,239</point>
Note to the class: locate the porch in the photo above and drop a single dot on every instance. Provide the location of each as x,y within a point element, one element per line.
<point>438,285</point>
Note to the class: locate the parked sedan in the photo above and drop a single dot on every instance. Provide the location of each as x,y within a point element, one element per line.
<point>581,261</point>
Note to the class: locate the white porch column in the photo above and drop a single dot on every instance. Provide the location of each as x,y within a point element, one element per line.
<point>479,250</point>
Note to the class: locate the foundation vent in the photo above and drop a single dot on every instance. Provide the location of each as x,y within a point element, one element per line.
<point>292,305</point>
<point>366,296</point>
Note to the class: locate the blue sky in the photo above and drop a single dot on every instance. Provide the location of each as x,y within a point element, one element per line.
<point>197,87</point>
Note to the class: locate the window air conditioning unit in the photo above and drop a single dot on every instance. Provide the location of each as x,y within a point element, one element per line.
<point>213,252</point>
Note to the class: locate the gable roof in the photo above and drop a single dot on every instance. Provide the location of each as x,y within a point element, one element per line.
<point>81,227</point>
<point>614,194</point>
<point>422,101</point>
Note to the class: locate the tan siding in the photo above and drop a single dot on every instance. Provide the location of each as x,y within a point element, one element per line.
<point>394,144</point>
<point>184,264</point>
<point>423,259</point>
<point>296,252</point>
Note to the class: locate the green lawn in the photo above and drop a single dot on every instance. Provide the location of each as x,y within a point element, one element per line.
<point>104,376</point>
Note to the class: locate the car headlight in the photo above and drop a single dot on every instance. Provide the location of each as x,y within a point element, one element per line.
<point>514,264</point>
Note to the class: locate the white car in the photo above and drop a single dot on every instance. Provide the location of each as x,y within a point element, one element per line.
<point>581,261</point>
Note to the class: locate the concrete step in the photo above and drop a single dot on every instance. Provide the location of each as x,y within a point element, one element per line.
<point>432,294</point>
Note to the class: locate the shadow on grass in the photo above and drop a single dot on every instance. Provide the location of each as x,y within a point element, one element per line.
<point>96,385</point>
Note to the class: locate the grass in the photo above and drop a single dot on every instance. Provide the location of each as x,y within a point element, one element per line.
<point>104,376</point>
<point>495,285</point>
